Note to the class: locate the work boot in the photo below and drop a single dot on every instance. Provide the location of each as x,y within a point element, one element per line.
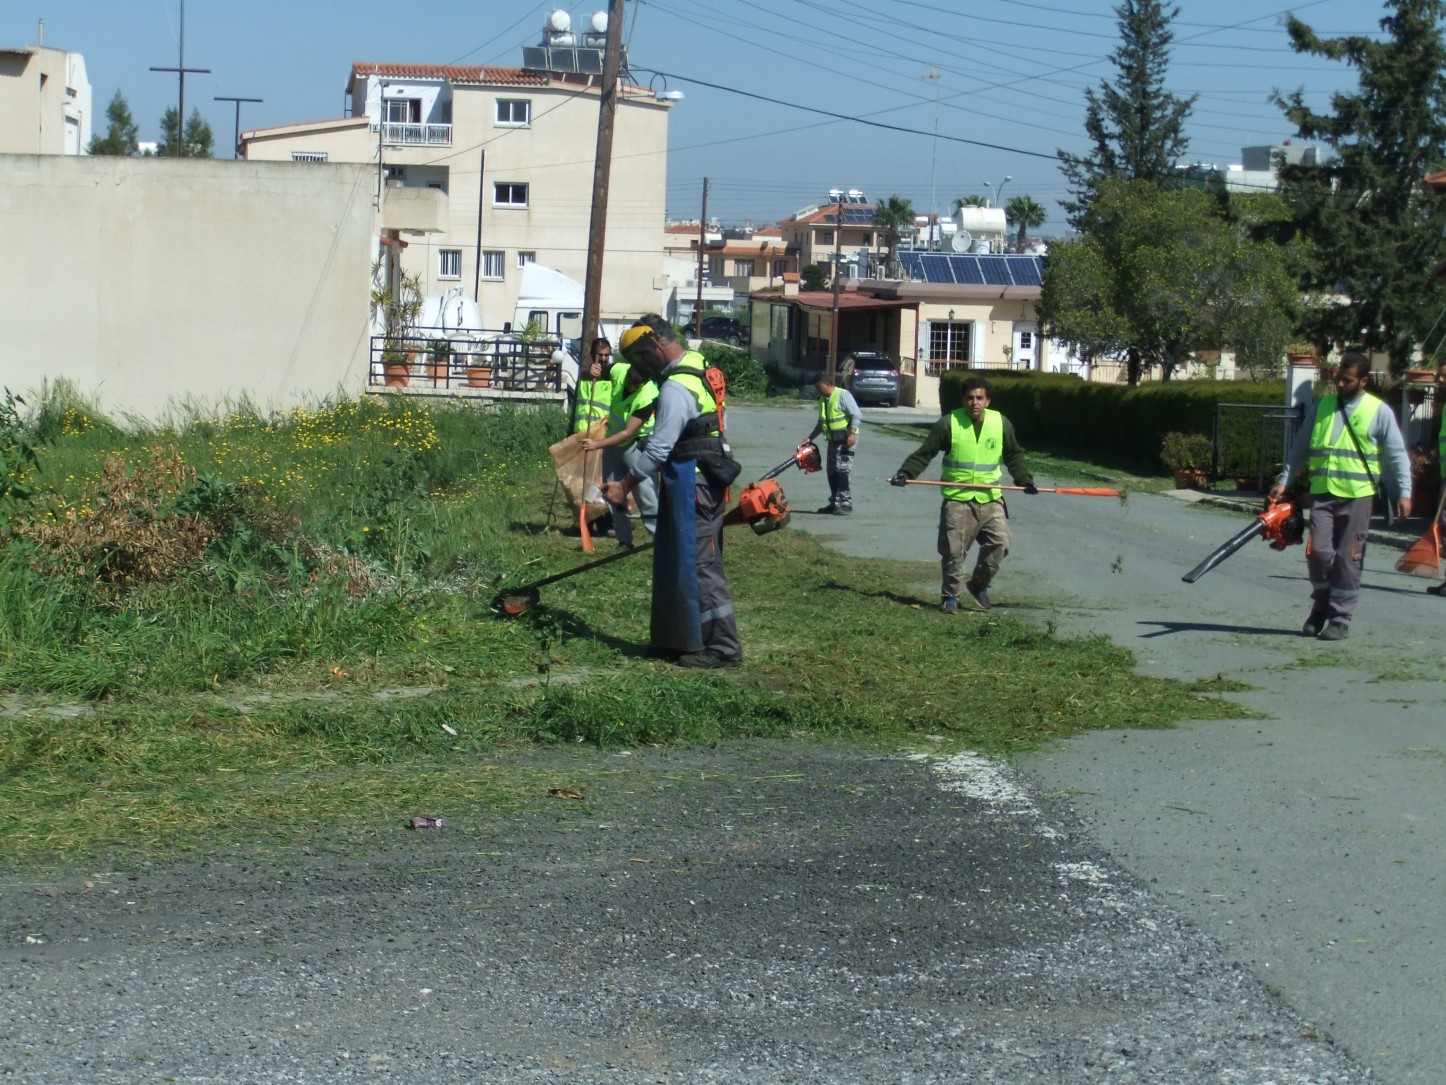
<point>950,605</point>
<point>827,510</point>
<point>981,595</point>
<point>1313,625</point>
<point>1335,631</point>
<point>1437,589</point>
<point>702,660</point>
<point>843,510</point>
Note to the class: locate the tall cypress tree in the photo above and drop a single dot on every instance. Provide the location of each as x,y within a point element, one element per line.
<point>1137,127</point>
<point>122,133</point>
<point>1374,226</point>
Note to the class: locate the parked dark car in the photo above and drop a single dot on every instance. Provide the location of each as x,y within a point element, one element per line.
<point>872,377</point>
<point>733,332</point>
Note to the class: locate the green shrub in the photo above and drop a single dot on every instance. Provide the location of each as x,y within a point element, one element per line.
<point>745,373</point>
<point>1113,419</point>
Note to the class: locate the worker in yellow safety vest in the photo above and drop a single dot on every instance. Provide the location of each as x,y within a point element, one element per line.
<point>978,443</point>
<point>1342,451</point>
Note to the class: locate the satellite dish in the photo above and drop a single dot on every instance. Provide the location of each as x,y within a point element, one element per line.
<point>961,240</point>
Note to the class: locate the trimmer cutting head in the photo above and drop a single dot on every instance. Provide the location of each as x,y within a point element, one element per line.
<point>513,604</point>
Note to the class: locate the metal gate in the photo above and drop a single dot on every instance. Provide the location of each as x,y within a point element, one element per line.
<point>1250,440</point>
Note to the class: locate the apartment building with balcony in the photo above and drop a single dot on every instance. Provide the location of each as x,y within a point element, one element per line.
<point>45,101</point>
<point>845,224</point>
<point>508,156</point>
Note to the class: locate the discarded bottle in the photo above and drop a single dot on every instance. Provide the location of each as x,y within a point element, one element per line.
<point>416,822</point>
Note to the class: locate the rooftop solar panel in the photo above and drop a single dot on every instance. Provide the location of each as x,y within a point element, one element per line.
<point>971,269</point>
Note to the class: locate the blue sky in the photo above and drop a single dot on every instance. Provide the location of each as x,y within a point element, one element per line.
<point>1008,73</point>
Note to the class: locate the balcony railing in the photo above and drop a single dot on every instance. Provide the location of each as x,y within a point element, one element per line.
<point>436,359</point>
<point>417,135</point>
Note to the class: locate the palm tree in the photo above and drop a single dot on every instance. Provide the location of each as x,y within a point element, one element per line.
<point>970,201</point>
<point>1024,213</point>
<point>894,217</point>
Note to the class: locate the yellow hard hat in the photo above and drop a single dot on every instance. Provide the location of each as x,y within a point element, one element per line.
<point>632,335</point>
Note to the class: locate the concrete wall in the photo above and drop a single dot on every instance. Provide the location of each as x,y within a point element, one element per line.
<point>155,282</point>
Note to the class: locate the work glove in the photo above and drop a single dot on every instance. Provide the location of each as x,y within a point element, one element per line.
<point>900,479</point>
<point>1031,488</point>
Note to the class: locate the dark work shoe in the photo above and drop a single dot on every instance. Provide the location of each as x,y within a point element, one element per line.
<point>1335,631</point>
<point>981,596</point>
<point>704,660</point>
<point>843,510</point>
<point>1437,589</point>
<point>1313,625</point>
<point>827,510</point>
<point>950,605</point>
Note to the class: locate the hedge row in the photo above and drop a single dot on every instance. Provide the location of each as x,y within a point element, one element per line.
<point>1066,412</point>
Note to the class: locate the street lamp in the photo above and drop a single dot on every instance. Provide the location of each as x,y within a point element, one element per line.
<point>994,192</point>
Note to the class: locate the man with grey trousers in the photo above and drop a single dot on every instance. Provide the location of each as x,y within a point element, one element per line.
<point>1345,446</point>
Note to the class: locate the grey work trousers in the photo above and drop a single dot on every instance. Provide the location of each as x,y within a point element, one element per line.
<point>840,465</point>
<point>715,603</point>
<point>618,462</point>
<point>1337,554</point>
<point>961,524</point>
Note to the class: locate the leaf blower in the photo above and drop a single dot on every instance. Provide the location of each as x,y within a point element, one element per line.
<point>762,504</point>
<point>1282,523</point>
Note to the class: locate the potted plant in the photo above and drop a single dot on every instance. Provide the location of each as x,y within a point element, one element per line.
<point>479,367</point>
<point>1302,353</point>
<point>439,360</point>
<point>396,302</point>
<point>1187,455</point>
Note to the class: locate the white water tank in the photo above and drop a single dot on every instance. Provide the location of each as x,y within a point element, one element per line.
<point>986,221</point>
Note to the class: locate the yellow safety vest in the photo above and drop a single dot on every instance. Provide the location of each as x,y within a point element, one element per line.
<point>625,406</point>
<point>832,421</point>
<point>974,458</point>
<point>1335,464</point>
<point>593,400</point>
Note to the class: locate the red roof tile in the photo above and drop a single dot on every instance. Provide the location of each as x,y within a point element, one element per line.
<point>453,73</point>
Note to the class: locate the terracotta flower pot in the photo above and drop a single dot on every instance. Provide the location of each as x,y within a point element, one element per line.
<point>396,374</point>
<point>479,376</point>
<point>1190,478</point>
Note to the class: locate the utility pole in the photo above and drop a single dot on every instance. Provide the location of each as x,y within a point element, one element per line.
<point>932,77</point>
<point>702,244</point>
<point>236,143</point>
<point>602,169</point>
<point>837,280</point>
<point>181,71</point>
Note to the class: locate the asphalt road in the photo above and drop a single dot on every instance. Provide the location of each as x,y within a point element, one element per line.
<point>1309,841</point>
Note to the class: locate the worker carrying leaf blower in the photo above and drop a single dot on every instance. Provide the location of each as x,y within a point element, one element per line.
<point>978,443</point>
<point>1342,451</point>
<point>692,612</point>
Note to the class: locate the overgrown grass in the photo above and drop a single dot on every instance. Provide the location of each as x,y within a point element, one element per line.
<point>355,673</point>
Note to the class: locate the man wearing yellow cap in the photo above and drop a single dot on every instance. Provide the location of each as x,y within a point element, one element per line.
<point>692,611</point>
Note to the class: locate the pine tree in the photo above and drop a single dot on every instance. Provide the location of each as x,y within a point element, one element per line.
<point>195,142</point>
<point>1136,126</point>
<point>1374,227</point>
<point>122,135</point>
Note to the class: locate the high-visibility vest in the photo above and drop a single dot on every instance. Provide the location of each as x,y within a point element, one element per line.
<point>1335,464</point>
<point>831,420</point>
<point>593,400</point>
<point>624,406</point>
<point>974,458</point>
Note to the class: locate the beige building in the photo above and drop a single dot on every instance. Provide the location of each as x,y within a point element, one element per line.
<point>757,263</point>
<point>845,225</point>
<point>952,311</point>
<point>510,153</point>
<point>45,101</point>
